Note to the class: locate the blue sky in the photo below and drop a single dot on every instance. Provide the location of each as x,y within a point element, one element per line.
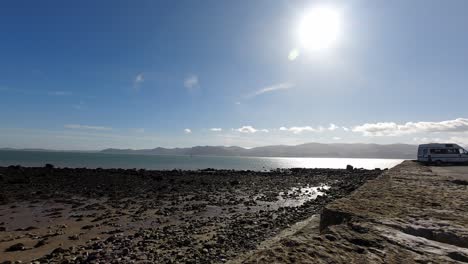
<point>141,74</point>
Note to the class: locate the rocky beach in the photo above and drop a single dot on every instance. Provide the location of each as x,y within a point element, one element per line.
<point>64,215</point>
<point>410,214</point>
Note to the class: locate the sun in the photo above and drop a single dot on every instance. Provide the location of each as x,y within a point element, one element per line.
<point>320,28</point>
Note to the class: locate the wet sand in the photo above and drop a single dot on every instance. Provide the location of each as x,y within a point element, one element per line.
<point>127,216</point>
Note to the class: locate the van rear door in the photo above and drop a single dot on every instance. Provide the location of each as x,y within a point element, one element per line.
<point>422,154</point>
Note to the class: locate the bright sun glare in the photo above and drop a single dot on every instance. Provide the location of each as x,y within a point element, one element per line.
<point>320,28</point>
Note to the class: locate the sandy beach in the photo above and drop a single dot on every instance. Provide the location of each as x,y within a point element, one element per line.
<point>50,215</point>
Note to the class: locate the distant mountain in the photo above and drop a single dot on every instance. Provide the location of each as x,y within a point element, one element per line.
<point>336,150</point>
<point>47,150</point>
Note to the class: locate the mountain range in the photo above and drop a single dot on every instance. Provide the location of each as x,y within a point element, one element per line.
<point>335,150</point>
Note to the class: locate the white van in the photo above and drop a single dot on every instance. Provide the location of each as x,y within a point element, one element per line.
<point>442,153</point>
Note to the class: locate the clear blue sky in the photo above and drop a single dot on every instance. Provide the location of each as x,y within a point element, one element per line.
<point>141,74</point>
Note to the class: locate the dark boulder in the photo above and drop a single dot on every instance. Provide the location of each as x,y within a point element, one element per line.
<point>16,247</point>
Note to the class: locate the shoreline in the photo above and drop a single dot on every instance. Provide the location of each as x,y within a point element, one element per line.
<point>164,216</point>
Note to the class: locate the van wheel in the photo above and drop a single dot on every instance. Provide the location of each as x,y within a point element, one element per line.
<point>438,163</point>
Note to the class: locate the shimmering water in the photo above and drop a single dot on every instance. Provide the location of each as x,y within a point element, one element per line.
<point>298,196</point>
<point>100,160</point>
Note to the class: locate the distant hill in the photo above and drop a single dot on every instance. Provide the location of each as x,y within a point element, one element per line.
<point>336,150</point>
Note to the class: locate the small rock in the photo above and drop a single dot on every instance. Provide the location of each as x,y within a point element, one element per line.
<point>40,243</point>
<point>30,228</point>
<point>74,237</point>
<point>59,250</point>
<point>16,247</point>
<point>87,227</point>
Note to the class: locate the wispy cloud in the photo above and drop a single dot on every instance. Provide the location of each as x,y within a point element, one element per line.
<point>250,129</point>
<point>216,129</point>
<point>422,140</point>
<point>394,129</point>
<point>191,81</point>
<point>59,93</point>
<point>79,106</point>
<point>139,79</point>
<point>332,127</point>
<point>87,127</point>
<point>187,131</point>
<point>301,129</point>
<point>271,88</point>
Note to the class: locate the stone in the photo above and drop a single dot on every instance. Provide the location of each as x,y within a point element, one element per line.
<point>74,237</point>
<point>59,250</point>
<point>40,243</point>
<point>16,247</point>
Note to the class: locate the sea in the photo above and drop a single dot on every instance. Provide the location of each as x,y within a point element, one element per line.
<point>157,162</point>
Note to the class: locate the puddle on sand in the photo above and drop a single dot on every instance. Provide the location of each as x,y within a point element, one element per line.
<point>294,197</point>
<point>298,196</point>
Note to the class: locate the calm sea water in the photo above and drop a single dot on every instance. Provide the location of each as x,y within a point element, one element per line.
<point>96,160</point>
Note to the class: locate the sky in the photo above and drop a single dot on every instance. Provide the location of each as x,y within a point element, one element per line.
<point>89,75</point>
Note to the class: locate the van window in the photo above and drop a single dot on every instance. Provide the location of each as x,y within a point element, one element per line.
<point>425,152</point>
<point>452,151</point>
<point>438,151</point>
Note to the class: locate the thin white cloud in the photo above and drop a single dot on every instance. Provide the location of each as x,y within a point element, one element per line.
<point>345,129</point>
<point>86,127</point>
<point>271,88</point>
<point>298,130</point>
<point>301,129</point>
<point>216,129</point>
<point>79,106</point>
<point>422,140</point>
<point>59,93</point>
<point>336,138</point>
<point>250,130</point>
<point>140,78</point>
<point>394,129</point>
<point>187,131</point>
<point>332,127</point>
<point>191,81</point>
<point>139,130</point>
